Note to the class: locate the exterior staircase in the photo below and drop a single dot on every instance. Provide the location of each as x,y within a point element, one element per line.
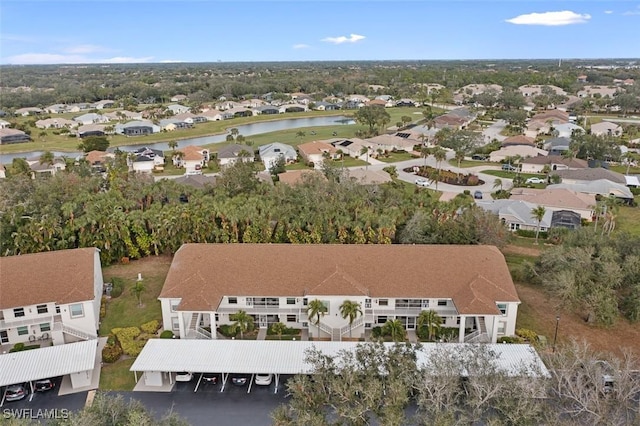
<point>480,335</point>
<point>77,333</point>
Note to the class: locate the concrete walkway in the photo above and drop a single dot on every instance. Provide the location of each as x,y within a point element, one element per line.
<point>262,333</point>
<point>304,335</point>
<point>411,335</point>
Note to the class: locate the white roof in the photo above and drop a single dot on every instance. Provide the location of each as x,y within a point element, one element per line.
<point>50,361</point>
<point>632,180</point>
<point>287,357</point>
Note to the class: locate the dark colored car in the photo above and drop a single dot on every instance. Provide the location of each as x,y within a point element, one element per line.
<point>477,195</point>
<point>15,393</point>
<point>239,380</point>
<point>44,385</point>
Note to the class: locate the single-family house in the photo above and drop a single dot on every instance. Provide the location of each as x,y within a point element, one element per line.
<point>77,107</point>
<point>192,158</point>
<point>516,214</point>
<point>316,151</point>
<point>104,104</point>
<point>469,287</point>
<point>91,130</point>
<point>137,128</point>
<point>270,153</point>
<point>146,160</point>
<point>215,115</point>
<point>123,115</point>
<point>405,102</point>
<point>266,109</point>
<point>178,98</point>
<point>56,109</point>
<point>190,118</point>
<point>238,112</point>
<point>606,128</point>
<point>585,175</point>
<point>566,130</point>
<point>449,121</point>
<point>52,300</point>
<point>512,151</point>
<point>389,143</point>
<point>351,147</point>
<point>602,187</point>
<point>364,176</point>
<point>91,118</point>
<point>293,108</point>
<point>196,181</point>
<point>296,177</point>
<point>551,163</point>
<point>557,146</point>
<point>598,91</point>
<point>171,124</point>
<point>28,111</point>
<point>252,103</point>
<point>56,123</point>
<point>326,106</point>
<point>177,109</point>
<point>233,153</point>
<point>43,169</point>
<point>98,160</point>
<point>552,116</point>
<point>8,135</point>
<point>518,140</point>
<point>4,124</point>
<point>536,127</point>
<point>558,199</point>
<point>531,90</point>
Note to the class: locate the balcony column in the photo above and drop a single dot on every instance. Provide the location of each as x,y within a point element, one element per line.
<point>494,329</point>
<point>214,326</point>
<point>181,329</point>
<point>461,329</point>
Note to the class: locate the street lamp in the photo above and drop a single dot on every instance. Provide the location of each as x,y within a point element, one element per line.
<point>555,336</point>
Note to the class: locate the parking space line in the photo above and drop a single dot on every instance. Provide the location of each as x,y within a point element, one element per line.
<point>250,383</point>
<point>198,384</point>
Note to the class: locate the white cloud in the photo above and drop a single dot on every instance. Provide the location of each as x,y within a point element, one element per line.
<point>126,60</point>
<point>171,61</point>
<point>52,58</point>
<point>301,46</point>
<point>608,12</point>
<point>353,38</point>
<point>633,12</point>
<point>84,49</point>
<point>565,17</point>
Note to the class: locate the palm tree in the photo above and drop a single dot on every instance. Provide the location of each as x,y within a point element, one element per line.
<point>431,320</point>
<point>365,150</point>
<point>538,214</point>
<point>279,328</point>
<point>46,157</point>
<point>242,322</point>
<point>315,311</point>
<point>173,145</point>
<point>234,132</point>
<point>137,291</point>
<point>440,155</point>
<point>351,310</point>
<point>497,183</point>
<point>425,153</point>
<point>395,329</point>
<point>300,134</point>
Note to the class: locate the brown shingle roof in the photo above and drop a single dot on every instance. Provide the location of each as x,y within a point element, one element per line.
<point>518,140</point>
<point>474,276</point>
<point>63,276</point>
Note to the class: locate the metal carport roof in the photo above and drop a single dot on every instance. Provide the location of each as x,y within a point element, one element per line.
<point>50,361</point>
<point>288,357</point>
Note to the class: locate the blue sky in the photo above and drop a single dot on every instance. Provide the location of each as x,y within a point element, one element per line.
<point>117,31</point>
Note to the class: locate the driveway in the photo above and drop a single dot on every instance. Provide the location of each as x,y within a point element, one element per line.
<point>493,132</point>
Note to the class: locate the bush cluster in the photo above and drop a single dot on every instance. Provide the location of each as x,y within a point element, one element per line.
<point>531,234</point>
<point>528,335</point>
<point>228,330</point>
<point>118,287</point>
<point>127,338</point>
<point>167,334</point>
<point>103,307</point>
<point>289,331</point>
<point>111,353</point>
<point>150,327</point>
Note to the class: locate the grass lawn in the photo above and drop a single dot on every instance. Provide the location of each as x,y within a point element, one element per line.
<point>300,165</point>
<point>394,157</point>
<point>470,163</point>
<point>623,170</point>
<point>117,376</point>
<point>124,311</point>
<point>510,175</point>
<point>629,219</point>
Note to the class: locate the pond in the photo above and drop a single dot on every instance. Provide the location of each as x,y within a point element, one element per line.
<point>244,129</point>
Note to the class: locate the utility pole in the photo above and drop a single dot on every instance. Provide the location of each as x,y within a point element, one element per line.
<point>555,336</point>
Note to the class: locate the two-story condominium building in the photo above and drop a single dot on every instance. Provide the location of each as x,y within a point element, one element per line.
<point>51,296</point>
<point>468,286</point>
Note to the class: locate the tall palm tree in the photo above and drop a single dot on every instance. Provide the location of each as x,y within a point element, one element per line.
<point>315,311</point>
<point>395,329</point>
<point>497,183</point>
<point>538,214</point>
<point>440,155</point>
<point>173,145</point>
<point>425,153</point>
<point>242,322</point>
<point>350,309</point>
<point>431,320</point>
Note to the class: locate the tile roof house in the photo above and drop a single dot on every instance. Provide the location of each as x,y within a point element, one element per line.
<point>552,115</point>
<point>91,118</point>
<point>137,128</point>
<point>470,287</point>
<point>230,154</point>
<point>351,147</point>
<point>56,123</point>
<point>193,158</point>
<point>196,181</point>
<point>55,294</point>
<point>296,177</point>
<point>316,151</point>
<point>603,187</point>
<point>516,214</point>
<point>605,128</point>
<point>557,146</point>
<point>368,177</point>
<point>145,160</point>
<point>566,130</point>
<point>28,111</point>
<point>177,109</point>
<point>518,140</point>
<point>557,200</point>
<point>91,130</point>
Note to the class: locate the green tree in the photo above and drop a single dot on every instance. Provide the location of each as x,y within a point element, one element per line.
<point>315,311</point>
<point>395,329</point>
<point>352,310</point>
<point>538,214</point>
<point>94,143</point>
<point>431,321</point>
<point>173,145</point>
<point>497,184</point>
<point>242,322</point>
<point>372,116</point>
<point>279,329</point>
<point>137,290</point>
<point>46,157</point>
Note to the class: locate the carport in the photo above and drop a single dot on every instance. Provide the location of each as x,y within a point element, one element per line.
<point>250,357</point>
<point>76,359</point>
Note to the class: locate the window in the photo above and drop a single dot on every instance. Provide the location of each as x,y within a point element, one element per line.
<point>425,303</point>
<point>175,323</point>
<point>18,312</point>
<point>383,302</point>
<point>249,301</point>
<point>57,309</point>
<point>502,307</point>
<point>291,300</point>
<point>4,337</point>
<point>442,303</point>
<point>45,327</point>
<point>367,303</point>
<point>381,319</point>
<point>174,306</point>
<point>292,318</point>
<point>233,300</point>
<point>305,301</point>
<point>458,321</point>
<point>502,327</point>
<point>76,310</point>
<point>265,302</point>
<point>42,309</point>
<point>408,303</point>
<point>514,226</point>
<point>23,330</point>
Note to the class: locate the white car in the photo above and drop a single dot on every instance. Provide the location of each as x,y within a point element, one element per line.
<point>263,379</point>
<point>422,182</point>
<point>535,180</point>
<point>184,376</point>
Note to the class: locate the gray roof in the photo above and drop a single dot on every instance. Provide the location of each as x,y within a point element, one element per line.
<point>591,174</point>
<point>602,187</point>
<point>557,142</point>
<point>519,210</point>
<point>232,151</point>
<point>276,148</point>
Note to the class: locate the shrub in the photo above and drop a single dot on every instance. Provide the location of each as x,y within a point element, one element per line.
<point>118,287</point>
<point>111,339</point>
<point>227,330</point>
<point>526,334</point>
<point>510,339</point>
<point>167,334</point>
<point>531,234</point>
<point>126,339</point>
<point>17,347</point>
<point>150,327</point>
<point>103,307</point>
<point>111,353</point>
<point>376,332</point>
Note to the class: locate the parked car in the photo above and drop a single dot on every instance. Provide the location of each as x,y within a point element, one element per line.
<point>44,385</point>
<point>535,180</point>
<point>239,380</point>
<point>509,168</point>
<point>184,376</point>
<point>477,195</point>
<point>210,378</point>
<point>15,393</point>
<point>478,157</point>
<point>263,379</point>
<point>422,182</point>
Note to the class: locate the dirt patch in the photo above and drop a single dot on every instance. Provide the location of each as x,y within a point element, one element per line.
<point>538,312</point>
